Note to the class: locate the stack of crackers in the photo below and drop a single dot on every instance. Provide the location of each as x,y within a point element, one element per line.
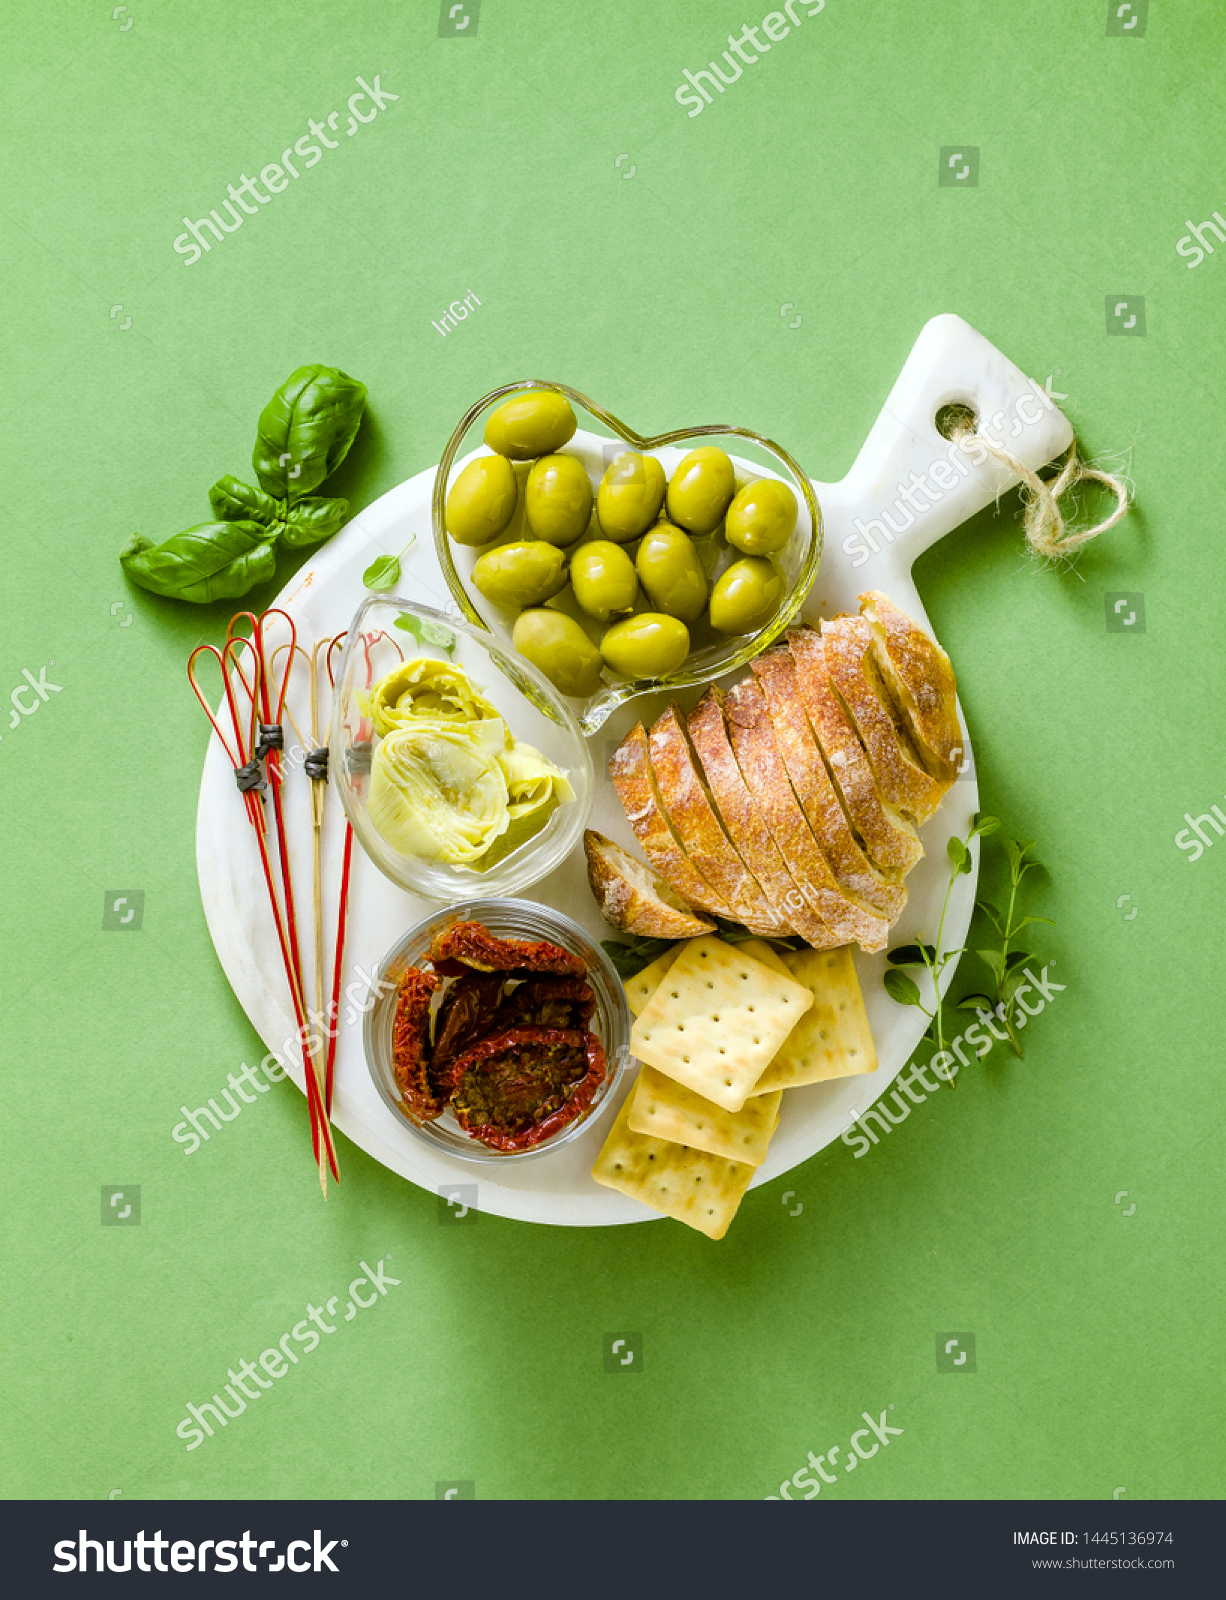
<point>722,1030</point>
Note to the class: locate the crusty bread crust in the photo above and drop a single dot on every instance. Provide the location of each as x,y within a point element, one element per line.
<point>695,822</point>
<point>747,825</point>
<point>857,877</point>
<point>847,647</point>
<point>921,678</point>
<point>889,839</point>
<point>632,898</point>
<point>757,754</point>
<point>630,770</point>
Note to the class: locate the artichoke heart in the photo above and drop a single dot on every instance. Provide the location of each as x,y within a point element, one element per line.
<point>425,687</point>
<point>535,789</point>
<point>437,789</point>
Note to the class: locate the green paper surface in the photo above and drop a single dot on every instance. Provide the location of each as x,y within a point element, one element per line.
<point>768,261</point>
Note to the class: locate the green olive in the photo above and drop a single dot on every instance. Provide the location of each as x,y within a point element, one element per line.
<point>558,499</point>
<point>762,517</point>
<point>482,500</point>
<point>748,595</point>
<point>671,573</point>
<point>533,424</point>
<point>649,645</point>
<point>700,490</point>
<point>558,647</point>
<point>603,578</point>
<point>520,574</point>
<point>630,496</point>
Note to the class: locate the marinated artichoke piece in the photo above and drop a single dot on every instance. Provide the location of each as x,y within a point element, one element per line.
<point>438,790</point>
<point>424,687</point>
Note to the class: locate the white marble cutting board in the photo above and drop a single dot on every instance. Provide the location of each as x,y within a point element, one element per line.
<point>949,363</point>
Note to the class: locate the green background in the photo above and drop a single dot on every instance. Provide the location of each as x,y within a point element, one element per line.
<point>812,181</point>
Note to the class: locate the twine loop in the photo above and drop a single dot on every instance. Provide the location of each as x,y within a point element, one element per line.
<point>1047,533</point>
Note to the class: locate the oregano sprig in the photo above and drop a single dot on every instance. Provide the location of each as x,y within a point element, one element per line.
<point>1007,965</point>
<point>934,957</point>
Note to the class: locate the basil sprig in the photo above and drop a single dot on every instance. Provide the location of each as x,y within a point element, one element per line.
<point>303,435</point>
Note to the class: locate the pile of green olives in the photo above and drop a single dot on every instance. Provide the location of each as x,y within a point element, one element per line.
<point>638,537</point>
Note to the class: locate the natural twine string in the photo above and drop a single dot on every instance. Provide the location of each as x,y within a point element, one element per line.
<point>1046,531</point>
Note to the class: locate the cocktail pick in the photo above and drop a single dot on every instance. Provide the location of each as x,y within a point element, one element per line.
<point>241,749</point>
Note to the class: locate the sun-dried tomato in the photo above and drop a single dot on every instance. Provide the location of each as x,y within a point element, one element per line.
<point>411,1044</point>
<point>520,1087</point>
<point>549,1003</point>
<point>466,945</point>
<point>470,1011</point>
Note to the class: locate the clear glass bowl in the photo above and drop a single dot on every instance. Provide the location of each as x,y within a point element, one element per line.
<point>506,919</point>
<point>533,710</point>
<point>752,457</point>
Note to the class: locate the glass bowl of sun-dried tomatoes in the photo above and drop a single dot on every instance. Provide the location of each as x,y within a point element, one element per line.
<point>499,1032</point>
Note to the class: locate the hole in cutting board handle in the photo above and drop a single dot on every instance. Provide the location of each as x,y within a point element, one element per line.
<point>958,414</point>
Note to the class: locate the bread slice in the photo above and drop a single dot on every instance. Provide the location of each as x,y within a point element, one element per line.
<point>847,644</point>
<point>890,841</point>
<point>757,754</point>
<point>695,822</point>
<point>630,770</point>
<point>632,898</point>
<point>747,825</point>
<point>811,784</point>
<point>920,676</point>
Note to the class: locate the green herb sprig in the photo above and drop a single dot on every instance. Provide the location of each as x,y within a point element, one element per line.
<point>1007,965</point>
<point>303,435</point>
<point>934,957</point>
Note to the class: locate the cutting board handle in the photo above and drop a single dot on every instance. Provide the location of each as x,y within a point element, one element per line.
<point>909,485</point>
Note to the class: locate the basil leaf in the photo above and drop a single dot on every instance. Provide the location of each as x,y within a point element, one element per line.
<point>425,631</point>
<point>311,520</point>
<point>901,988</point>
<point>235,501</point>
<point>630,959</point>
<point>382,575</point>
<point>305,430</point>
<point>213,561</point>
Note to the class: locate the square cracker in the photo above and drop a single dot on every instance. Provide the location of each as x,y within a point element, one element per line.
<point>832,1039</point>
<point>668,1110</point>
<point>718,1020</point>
<point>643,985</point>
<point>695,1187</point>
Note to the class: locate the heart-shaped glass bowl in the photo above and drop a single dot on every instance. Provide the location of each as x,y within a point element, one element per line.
<point>530,706</point>
<point>712,654</point>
